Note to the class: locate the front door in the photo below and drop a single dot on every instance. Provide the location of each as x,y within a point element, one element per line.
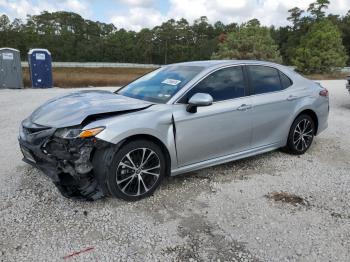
<point>220,129</point>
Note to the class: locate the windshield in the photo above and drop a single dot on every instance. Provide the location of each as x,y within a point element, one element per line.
<point>160,85</point>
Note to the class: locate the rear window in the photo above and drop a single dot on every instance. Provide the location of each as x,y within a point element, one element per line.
<point>285,80</point>
<point>264,79</point>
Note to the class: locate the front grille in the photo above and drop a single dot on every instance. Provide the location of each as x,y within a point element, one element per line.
<point>35,134</point>
<point>31,128</point>
<point>29,131</point>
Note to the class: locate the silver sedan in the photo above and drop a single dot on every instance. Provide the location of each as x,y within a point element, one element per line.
<point>176,119</point>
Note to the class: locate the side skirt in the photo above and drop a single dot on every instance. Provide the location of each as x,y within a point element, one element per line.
<point>225,159</point>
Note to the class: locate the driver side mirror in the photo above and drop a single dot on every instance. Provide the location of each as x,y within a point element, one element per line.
<point>198,99</point>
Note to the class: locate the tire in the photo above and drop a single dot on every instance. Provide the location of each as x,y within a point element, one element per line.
<point>125,176</point>
<point>301,135</point>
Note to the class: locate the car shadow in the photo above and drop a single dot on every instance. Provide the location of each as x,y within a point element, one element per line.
<point>345,106</point>
<point>240,169</point>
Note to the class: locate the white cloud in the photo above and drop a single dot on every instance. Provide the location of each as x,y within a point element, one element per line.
<point>81,7</point>
<point>137,18</point>
<point>20,8</point>
<point>339,6</point>
<point>269,12</point>
<point>144,13</point>
<point>137,3</point>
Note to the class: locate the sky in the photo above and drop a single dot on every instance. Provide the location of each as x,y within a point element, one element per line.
<point>137,14</point>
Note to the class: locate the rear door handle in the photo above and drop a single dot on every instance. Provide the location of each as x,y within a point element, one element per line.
<point>292,97</point>
<point>244,107</point>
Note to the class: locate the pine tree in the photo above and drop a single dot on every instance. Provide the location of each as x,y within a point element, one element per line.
<point>321,50</point>
<point>250,41</point>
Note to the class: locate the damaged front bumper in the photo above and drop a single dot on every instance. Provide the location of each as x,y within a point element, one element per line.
<point>66,161</point>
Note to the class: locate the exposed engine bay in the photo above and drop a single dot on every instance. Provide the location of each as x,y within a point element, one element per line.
<point>66,161</point>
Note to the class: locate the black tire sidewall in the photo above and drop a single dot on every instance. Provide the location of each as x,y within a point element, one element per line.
<point>290,145</point>
<point>119,155</point>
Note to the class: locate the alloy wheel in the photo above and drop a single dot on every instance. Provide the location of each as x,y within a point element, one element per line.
<point>138,171</point>
<point>303,135</point>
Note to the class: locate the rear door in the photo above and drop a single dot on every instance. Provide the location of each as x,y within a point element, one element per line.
<point>273,103</point>
<point>217,130</point>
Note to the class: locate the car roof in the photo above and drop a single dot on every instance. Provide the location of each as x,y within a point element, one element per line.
<point>219,63</point>
<point>209,65</point>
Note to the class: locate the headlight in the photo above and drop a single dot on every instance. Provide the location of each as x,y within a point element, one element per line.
<point>90,132</point>
<point>75,133</point>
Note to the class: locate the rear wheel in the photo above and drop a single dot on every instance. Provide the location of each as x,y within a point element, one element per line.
<point>301,135</point>
<point>136,171</point>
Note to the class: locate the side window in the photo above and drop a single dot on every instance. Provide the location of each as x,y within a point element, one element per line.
<point>264,79</point>
<point>224,84</point>
<point>285,80</point>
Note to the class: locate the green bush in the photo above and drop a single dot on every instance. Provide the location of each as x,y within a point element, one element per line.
<point>249,41</point>
<point>321,50</point>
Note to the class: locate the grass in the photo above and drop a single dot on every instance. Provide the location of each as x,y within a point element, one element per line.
<point>84,77</point>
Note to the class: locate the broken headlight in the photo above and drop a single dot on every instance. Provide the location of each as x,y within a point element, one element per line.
<point>70,133</point>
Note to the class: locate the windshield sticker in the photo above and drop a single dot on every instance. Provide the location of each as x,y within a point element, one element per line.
<point>164,95</point>
<point>172,82</point>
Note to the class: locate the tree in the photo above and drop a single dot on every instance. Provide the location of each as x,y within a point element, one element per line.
<point>344,26</point>
<point>321,49</point>
<point>70,37</point>
<point>294,16</point>
<point>4,23</point>
<point>250,41</point>
<point>316,8</point>
<point>144,46</point>
<point>165,38</point>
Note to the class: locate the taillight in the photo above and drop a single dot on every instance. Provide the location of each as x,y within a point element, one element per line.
<point>324,92</point>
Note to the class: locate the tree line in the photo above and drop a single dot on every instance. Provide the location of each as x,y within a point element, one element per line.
<point>314,42</point>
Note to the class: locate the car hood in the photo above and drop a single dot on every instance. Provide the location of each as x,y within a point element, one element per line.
<point>74,108</point>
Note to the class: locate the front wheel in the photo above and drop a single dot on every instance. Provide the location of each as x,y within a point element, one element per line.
<point>137,170</point>
<point>301,135</point>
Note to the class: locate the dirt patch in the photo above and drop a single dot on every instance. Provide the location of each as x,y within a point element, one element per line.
<point>205,242</point>
<point>338,215</point>
<point>287,198</point>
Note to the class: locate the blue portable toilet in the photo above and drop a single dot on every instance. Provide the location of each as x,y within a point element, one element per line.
<point>40,66</point>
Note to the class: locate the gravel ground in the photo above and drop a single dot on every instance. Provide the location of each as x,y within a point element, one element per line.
<point>220,213</point>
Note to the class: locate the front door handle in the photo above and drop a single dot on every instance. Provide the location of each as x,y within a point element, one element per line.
<point>292,97</point>
<point>244,107</point>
